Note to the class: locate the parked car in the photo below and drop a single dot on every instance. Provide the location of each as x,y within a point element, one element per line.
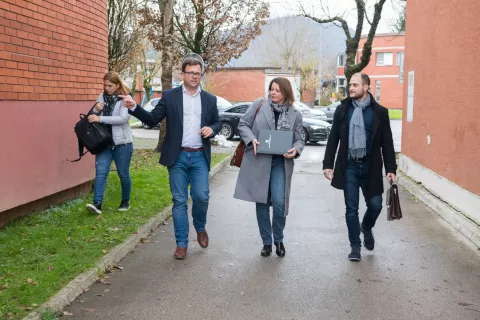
<point>330,110</point>
<point>314,130</point>
<point>229,117</point>
<point>308,112</point>
<point>149,107</point>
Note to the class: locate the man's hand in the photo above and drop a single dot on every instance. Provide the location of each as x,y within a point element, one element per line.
<point>328,173</point>
<point>93,118</point>
<point>255,143</point>
<point>206,132</point>
<point>391,177</point>
<point>128,102</point>
<point>290,153</point>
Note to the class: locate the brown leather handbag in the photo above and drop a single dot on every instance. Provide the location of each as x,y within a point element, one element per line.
<point>237,157</point>
<point>394,211</point>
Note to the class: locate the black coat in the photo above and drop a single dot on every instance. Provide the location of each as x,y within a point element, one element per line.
<point>382,144</point>
<point>171,107</point>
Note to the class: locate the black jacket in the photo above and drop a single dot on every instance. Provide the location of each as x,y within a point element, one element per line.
<point>171,107</point>
<point>382,145</point>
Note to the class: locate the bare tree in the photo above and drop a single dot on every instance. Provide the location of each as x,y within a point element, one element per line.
<point>124,34</point>
<point>352,42</point>
<point>160,32</point>
<point>149,67</point>
<point>399,22</point>
<point>218,30</point>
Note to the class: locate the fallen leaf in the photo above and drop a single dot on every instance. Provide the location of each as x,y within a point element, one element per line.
<point>50,268</point>
<point>29,281</point>
<point>106,290</point>
<point>66,313</point>
<point>99,218</point>
<point>99,295</point>
<point>104,251</point>
<point>68,239</point>
<point>122,314</point>
<point>119,267</point>
<point>34,305</point>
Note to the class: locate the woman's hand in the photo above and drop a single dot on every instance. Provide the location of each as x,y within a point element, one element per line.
<point>290,153</point>
<point>255,143</point>
<point>93,118</point>
<point>99,106</point>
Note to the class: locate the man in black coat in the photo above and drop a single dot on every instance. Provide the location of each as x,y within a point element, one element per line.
<point>192,120</point>
<point>362,127</point>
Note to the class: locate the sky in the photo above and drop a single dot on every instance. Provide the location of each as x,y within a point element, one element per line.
<point>280,8</point>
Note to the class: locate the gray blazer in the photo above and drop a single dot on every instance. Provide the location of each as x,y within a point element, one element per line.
<point>254,177</point>
<point>121,131</point>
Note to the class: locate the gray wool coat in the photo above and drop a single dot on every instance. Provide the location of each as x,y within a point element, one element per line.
<point>254,177</point>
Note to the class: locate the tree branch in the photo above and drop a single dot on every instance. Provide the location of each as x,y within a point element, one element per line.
<point>329,20</point>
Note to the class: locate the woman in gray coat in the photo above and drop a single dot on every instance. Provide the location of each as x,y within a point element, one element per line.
<point>110,111</point>
<point>266,179</point>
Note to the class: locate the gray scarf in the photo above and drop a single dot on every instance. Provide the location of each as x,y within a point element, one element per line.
<point>357,138</point>
<point>282,109</point>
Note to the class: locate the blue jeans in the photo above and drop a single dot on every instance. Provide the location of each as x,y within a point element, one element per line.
<point>356,178</point>
<point>122,155</point>
<point>277,201</point>
<point>190,168</point>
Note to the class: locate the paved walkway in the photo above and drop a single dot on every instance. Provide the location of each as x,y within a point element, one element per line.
<point>420,269</point>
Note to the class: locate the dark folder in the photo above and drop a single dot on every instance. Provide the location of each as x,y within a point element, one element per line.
<point>275,141</point>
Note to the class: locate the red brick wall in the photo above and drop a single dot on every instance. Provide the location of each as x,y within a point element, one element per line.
<point>442,49</point>
<point>238,85</point>
<point>53,55</point>
<point>52,49</point>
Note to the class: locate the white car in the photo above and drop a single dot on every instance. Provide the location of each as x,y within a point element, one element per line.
<point>310,112</point>
<point>149,107</point>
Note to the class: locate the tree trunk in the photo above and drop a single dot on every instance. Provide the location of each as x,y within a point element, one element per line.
<point>167,59</point>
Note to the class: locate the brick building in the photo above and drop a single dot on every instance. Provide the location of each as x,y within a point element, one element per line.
<point>53,54</point>
<point>384,69</point>
<point>441,117</point>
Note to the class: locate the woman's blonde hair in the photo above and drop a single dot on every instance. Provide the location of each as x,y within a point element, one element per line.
<point>114,78</point>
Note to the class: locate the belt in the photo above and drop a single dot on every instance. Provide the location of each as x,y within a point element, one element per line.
<point>187,149</point>
<point>364,159</point>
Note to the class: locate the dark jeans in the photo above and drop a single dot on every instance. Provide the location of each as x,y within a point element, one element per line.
<point>122,155</point>
<point>356,178</point>
<point>190,168</point>
<point>277,201</point>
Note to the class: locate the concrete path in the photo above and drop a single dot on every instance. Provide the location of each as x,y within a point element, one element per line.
<point>420,269</point>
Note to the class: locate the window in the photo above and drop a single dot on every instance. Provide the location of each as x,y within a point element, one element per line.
<point>340,60</point>
<point>377,90</point>
<point>384,59</point>
<point>399,59</point>
<point>341,82</point>
<point>410,95</point>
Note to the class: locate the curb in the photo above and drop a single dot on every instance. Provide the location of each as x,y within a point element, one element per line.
<point>455,218</point>
<point>84,280</point>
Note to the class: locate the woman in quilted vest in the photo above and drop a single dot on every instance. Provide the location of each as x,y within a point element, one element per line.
<point>110,111</point>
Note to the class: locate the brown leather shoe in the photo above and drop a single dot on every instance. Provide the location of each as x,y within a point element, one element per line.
<point>180,253</point>
<point>202,238</point>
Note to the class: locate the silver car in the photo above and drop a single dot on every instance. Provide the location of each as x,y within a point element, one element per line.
<point>308,112</point>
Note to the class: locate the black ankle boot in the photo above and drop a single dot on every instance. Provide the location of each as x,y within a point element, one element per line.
<point>266,251</point>
<point>280,249</point>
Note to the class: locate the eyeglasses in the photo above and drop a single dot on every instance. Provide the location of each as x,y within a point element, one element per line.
<point>193,74</point>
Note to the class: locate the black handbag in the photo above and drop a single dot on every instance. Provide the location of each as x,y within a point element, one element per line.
<point>94,137</point>
<point>394,211</point>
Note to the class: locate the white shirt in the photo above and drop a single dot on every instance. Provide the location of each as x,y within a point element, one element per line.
<point>192,115</point>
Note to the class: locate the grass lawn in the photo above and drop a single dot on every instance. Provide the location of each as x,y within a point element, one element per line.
<point>41,253</point>
<point>395,114</point>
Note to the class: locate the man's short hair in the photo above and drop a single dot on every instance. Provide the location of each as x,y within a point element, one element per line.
<point>192,59</point>
<point>365,78</point>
